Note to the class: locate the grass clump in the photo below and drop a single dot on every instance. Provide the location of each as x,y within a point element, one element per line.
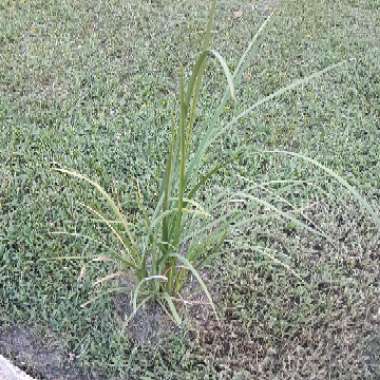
<point>170,242</point>
<point>152,255</point>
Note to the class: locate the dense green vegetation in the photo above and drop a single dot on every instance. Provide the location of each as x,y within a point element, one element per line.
<point>93,86</point>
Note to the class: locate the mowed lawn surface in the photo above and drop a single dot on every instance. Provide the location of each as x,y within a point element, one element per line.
<point>91,85</point>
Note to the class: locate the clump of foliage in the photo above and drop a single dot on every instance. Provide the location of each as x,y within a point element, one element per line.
<point>173,241</point>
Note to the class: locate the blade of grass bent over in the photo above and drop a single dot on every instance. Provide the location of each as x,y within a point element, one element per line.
<point>283,214</point>
<point>215,132</point>
<point>264,252</point>
<point>109,200</point>
<point>232,83</point>
<point>113,253</point>
<point>116,233</point>
<point>297,83</point>
<point>227,73</point>
<point>361,200</point>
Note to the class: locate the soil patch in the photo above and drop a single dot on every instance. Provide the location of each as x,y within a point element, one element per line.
<point>40,357</point>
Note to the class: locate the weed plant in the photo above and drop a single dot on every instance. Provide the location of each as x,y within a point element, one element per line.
<point>174,240</point>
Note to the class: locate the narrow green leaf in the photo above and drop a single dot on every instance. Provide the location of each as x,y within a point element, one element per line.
<point>123,242</point>
<point>297,83</point>
<point>109,200</point>
<point>172,308</point>
<point>240,67</point>
<point>227,73</point>
<point>204,178</point>
<point>214,132</point>
<point>210,23</point>
<point>113,253</point>
<point>167,188</point>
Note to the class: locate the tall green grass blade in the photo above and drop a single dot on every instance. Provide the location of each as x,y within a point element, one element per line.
<point>166,189</point>
<point>194,103</point>
<point>195,75</point>
<point>236,77</point>
<point>182,148</point>
<point>182,151</point>
<point>243,59</point>
<point>198,71</point>
<point>196,81</point>
<point>207,38</point>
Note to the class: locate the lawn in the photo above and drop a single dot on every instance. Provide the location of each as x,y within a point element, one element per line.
<point>91,86</point>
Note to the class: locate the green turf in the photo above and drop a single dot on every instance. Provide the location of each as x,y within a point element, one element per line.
<point>91,86</point>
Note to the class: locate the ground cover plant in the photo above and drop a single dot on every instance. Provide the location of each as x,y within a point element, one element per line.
<point>295,326</point>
